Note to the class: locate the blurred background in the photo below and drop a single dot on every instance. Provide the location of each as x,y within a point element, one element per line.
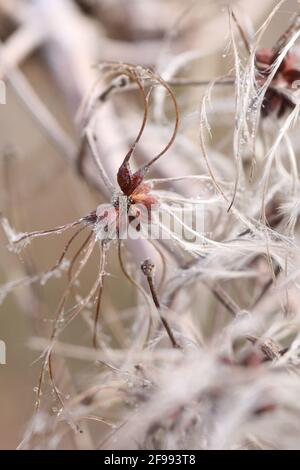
<point>48,54</point>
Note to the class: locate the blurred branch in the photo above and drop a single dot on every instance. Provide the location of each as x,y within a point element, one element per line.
<point>16,9</point>
<point>19,46</point>
<point>36,107</point>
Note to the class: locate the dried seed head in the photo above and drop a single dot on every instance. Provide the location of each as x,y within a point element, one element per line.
<point>148,268</point>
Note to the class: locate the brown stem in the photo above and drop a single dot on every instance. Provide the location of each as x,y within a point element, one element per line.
<point>148,269</point>
<point>138,82</point>
<point>176,125</point>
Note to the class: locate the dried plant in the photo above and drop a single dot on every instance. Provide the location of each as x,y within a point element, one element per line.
<point>207,355</point>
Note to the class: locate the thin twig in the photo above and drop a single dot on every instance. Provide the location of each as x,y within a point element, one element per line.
<point>242,33</point>
<point>148,269</point>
